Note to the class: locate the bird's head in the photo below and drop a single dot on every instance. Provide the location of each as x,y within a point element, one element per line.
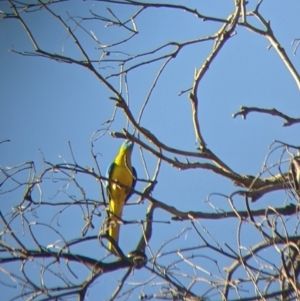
<point>127,146</point>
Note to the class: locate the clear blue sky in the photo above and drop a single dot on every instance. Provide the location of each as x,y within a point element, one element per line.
<point>45,104</point>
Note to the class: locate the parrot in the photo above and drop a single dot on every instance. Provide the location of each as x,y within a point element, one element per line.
<point>120,170</point>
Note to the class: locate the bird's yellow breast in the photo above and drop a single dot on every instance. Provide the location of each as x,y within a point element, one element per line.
<point>118,193</point>
<point>122,175</point>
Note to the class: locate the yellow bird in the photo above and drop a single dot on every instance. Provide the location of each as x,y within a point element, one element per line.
<point>120,171</point>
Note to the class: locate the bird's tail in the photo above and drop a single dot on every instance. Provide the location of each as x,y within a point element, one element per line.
<point>113,232</point>
<point>114,227</point>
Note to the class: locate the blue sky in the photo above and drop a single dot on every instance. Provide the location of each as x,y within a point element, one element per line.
<point>45,104</point>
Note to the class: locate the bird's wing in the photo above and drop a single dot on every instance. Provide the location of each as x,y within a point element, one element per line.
<point>133,184</point>
<point>108,176</point>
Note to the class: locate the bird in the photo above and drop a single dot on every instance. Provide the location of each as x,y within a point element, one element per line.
<point>295,170</point>
<point>122,179</point>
